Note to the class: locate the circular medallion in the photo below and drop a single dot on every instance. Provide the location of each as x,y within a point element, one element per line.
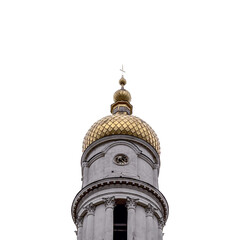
<point>121,159</point>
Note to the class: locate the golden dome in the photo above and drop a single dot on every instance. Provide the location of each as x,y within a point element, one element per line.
<point>122,95</point>
<point>121,124</point>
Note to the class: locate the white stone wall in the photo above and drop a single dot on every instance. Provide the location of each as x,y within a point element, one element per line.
<point>100,163</point>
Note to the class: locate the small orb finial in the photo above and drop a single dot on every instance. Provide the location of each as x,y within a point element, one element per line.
<point>122,81</point>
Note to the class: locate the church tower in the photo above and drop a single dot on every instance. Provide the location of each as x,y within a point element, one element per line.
<point>119,199</point>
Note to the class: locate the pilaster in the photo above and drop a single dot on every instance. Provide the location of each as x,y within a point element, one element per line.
<point>85,173</point>
<point>109,207</point>
<point>160,228</point>
<point>155,175</point>
<point>131,207</point>
<point>90,221</point>
<point>79,228</point>
<point>149,218</point>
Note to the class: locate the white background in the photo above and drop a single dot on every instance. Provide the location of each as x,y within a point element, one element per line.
<point>59,68</point>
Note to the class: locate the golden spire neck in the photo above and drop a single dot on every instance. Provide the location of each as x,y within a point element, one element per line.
<point>122,99</point>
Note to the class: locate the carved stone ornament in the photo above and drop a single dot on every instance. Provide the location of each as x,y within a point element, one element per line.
<point>121,159</point>
<point>149,210</point>
<point>79,222</point>
<point>131,203</point>
<point>90,209</point>
<point>155,166</point>
<point>109,202</point>
<point>161,223</point>
<point>85,164</point>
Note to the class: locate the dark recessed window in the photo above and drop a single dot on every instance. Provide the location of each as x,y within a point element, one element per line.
<point>120,222</point>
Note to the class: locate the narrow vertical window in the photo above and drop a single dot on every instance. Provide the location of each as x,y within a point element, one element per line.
<point>120,222</point>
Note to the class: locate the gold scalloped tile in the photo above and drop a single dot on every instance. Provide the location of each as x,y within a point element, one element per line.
<point>121,124</point>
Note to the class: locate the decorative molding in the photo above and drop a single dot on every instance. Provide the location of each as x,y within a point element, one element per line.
<point>149,210</point>
<point>131,145</point>
<point>120,182</point>
<point>84,164</point>
<point>161,223</point>
<point>95,157</point>
<point>109,202</point>
<point>155,166</point>
<point>79,222</point>
<point>131,203</point>
<point>106,149</point>
<point>146,159</point>
<point>126,143</point>
<point>118,139</point>
<point>90,209</point>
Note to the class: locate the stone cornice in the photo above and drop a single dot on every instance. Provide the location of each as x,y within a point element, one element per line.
<point>124,182</point>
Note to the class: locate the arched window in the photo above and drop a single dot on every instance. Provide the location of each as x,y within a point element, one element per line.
<point>120,222</point>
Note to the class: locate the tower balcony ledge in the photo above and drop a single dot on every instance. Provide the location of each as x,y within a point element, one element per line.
<point>119,188</point>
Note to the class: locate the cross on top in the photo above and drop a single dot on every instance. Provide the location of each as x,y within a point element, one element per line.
<point>122,70</point>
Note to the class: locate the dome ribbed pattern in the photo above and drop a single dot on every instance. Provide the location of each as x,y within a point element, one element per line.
<point>121,124</point>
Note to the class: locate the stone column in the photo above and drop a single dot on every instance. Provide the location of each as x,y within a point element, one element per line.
<point>79,228</point>
<point>109,206</point>
<point>149,215</point>
<point>160,228</point>
<point>131,207</point>
<point>85,173</point>
<point>90,221</point>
